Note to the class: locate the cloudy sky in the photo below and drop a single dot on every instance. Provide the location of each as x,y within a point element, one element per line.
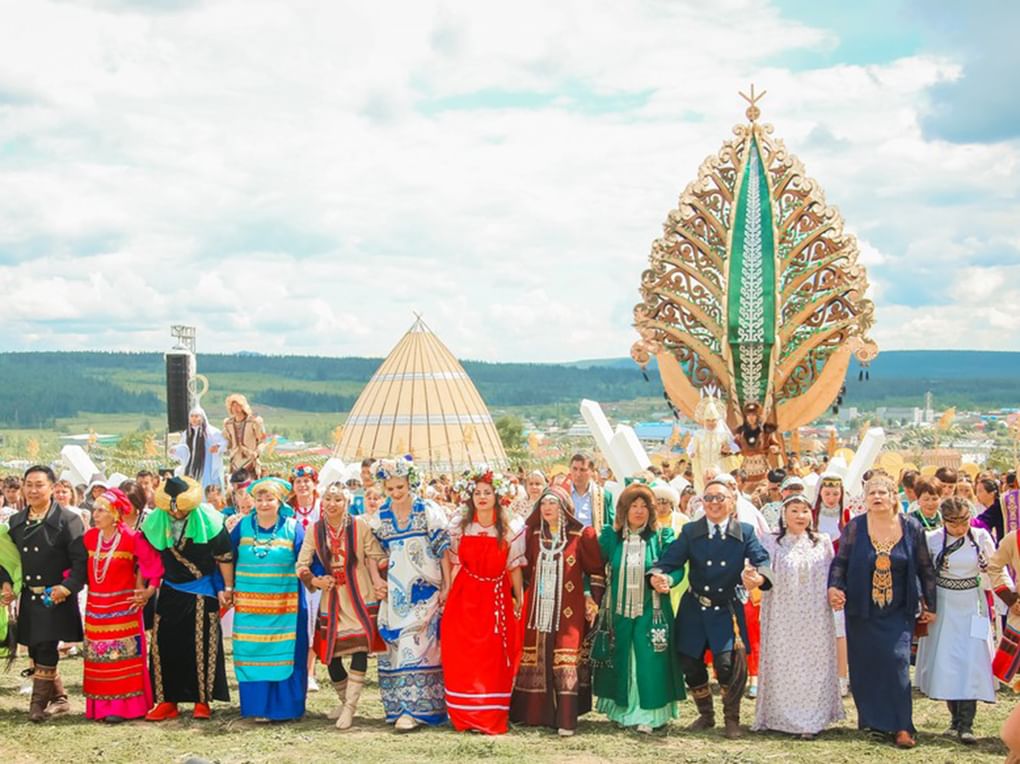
<point>299,176</point>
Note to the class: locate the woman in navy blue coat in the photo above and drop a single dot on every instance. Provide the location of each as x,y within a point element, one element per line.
<point>884,578</point>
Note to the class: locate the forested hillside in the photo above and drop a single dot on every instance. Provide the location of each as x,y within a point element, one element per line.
<point>38,388</point>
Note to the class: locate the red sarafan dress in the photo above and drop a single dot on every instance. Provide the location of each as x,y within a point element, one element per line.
<point>116,680</point>
<point>480,636</point>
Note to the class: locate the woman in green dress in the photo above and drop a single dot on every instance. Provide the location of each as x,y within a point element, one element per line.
<point>639,682</point>
<point>10,562</point>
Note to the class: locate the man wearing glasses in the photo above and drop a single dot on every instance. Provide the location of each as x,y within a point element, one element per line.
<point>718,549</point>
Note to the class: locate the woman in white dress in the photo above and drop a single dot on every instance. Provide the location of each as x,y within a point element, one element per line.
<point>799,685</point>
<point>954,661</point>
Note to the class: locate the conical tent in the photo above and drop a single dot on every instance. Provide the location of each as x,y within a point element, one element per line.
<point>420,401</point>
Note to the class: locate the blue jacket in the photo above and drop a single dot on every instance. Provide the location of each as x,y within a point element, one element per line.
<point>708,609</point>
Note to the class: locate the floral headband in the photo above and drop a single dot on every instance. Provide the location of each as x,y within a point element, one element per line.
<point>304,470</point>
<point>501,485</point>
<point>387,469</point>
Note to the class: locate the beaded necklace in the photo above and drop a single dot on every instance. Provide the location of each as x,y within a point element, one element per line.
<point>549,580</point>
<point>101,565</point>
<point>305,515</point>
<point>260,545</point>
<point>336,548</point>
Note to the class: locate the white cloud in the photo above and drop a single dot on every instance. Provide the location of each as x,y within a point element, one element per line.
<point>286,177</point>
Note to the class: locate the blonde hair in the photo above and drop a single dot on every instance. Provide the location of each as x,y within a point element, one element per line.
<point>883,480</point>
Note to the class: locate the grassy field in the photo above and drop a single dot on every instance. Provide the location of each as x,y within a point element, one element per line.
<point>228,738</point>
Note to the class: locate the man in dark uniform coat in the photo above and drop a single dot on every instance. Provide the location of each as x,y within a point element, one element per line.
<point>711,613</point>
<point>53,562</point>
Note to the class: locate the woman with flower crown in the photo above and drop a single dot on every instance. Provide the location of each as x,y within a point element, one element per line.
<point>553,686</point>
<point>481,626</point>
<point>414,538</point>
<point>270,621</point>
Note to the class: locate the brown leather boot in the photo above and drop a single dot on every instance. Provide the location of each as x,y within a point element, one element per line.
<point>731,697</point>
<point>42,692</point>
<point>702,696</point>
<point>58,700</point>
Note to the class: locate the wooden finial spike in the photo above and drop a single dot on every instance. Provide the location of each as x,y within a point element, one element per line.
<point>753,112</point>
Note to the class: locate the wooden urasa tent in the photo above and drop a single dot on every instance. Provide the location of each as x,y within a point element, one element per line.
<point>421,402</point>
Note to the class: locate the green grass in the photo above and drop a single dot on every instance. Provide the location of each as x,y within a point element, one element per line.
<point>228,738</point>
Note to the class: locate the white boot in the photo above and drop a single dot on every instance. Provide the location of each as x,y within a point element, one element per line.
<point>355,683</point>
<point>341,691</point>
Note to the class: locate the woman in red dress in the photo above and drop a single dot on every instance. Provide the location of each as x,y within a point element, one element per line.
<point>481,631</point>
<point>123,574</point>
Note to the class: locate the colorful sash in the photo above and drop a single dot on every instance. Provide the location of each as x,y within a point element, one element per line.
<point>265,603</point>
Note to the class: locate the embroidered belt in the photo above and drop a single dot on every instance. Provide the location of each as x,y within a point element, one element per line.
<point>958,584</point>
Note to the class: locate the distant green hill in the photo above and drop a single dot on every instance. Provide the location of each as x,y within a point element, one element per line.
<point>964,378</point>
<point>39,388</point>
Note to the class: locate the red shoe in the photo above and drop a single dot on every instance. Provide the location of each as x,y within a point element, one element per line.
<point>162,712</point>
<point>905,740</point>
<point>201,711</point>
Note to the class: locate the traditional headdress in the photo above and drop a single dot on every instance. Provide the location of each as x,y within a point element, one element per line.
<point>707,409</point>
<point>627,497</point>
<point>792,482</point>
<point>666,491</point>
<point>304,470</point>
<point>279,487</point>
<point>241,401</point>
<point>387,469</point>
<point>178,494</point>
<point>752,407</point>
<point>505,490</point>
<point>337,487</point>
<point>796,497</point>
<point>114,501</point>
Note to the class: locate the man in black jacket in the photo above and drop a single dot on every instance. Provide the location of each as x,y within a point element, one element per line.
<point>53,562</point>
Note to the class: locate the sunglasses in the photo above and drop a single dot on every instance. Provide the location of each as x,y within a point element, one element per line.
<point>713,498</point>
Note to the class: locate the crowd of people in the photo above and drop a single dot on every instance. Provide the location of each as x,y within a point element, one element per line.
<point>488,599</point>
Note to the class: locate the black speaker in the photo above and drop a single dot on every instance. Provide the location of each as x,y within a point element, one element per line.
<point>178,375</point>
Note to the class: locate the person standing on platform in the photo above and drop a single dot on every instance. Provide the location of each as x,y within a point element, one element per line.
<point>53,561</point>
<point>711,614</point>
<point>246,436</point>
<point>205,446</point>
